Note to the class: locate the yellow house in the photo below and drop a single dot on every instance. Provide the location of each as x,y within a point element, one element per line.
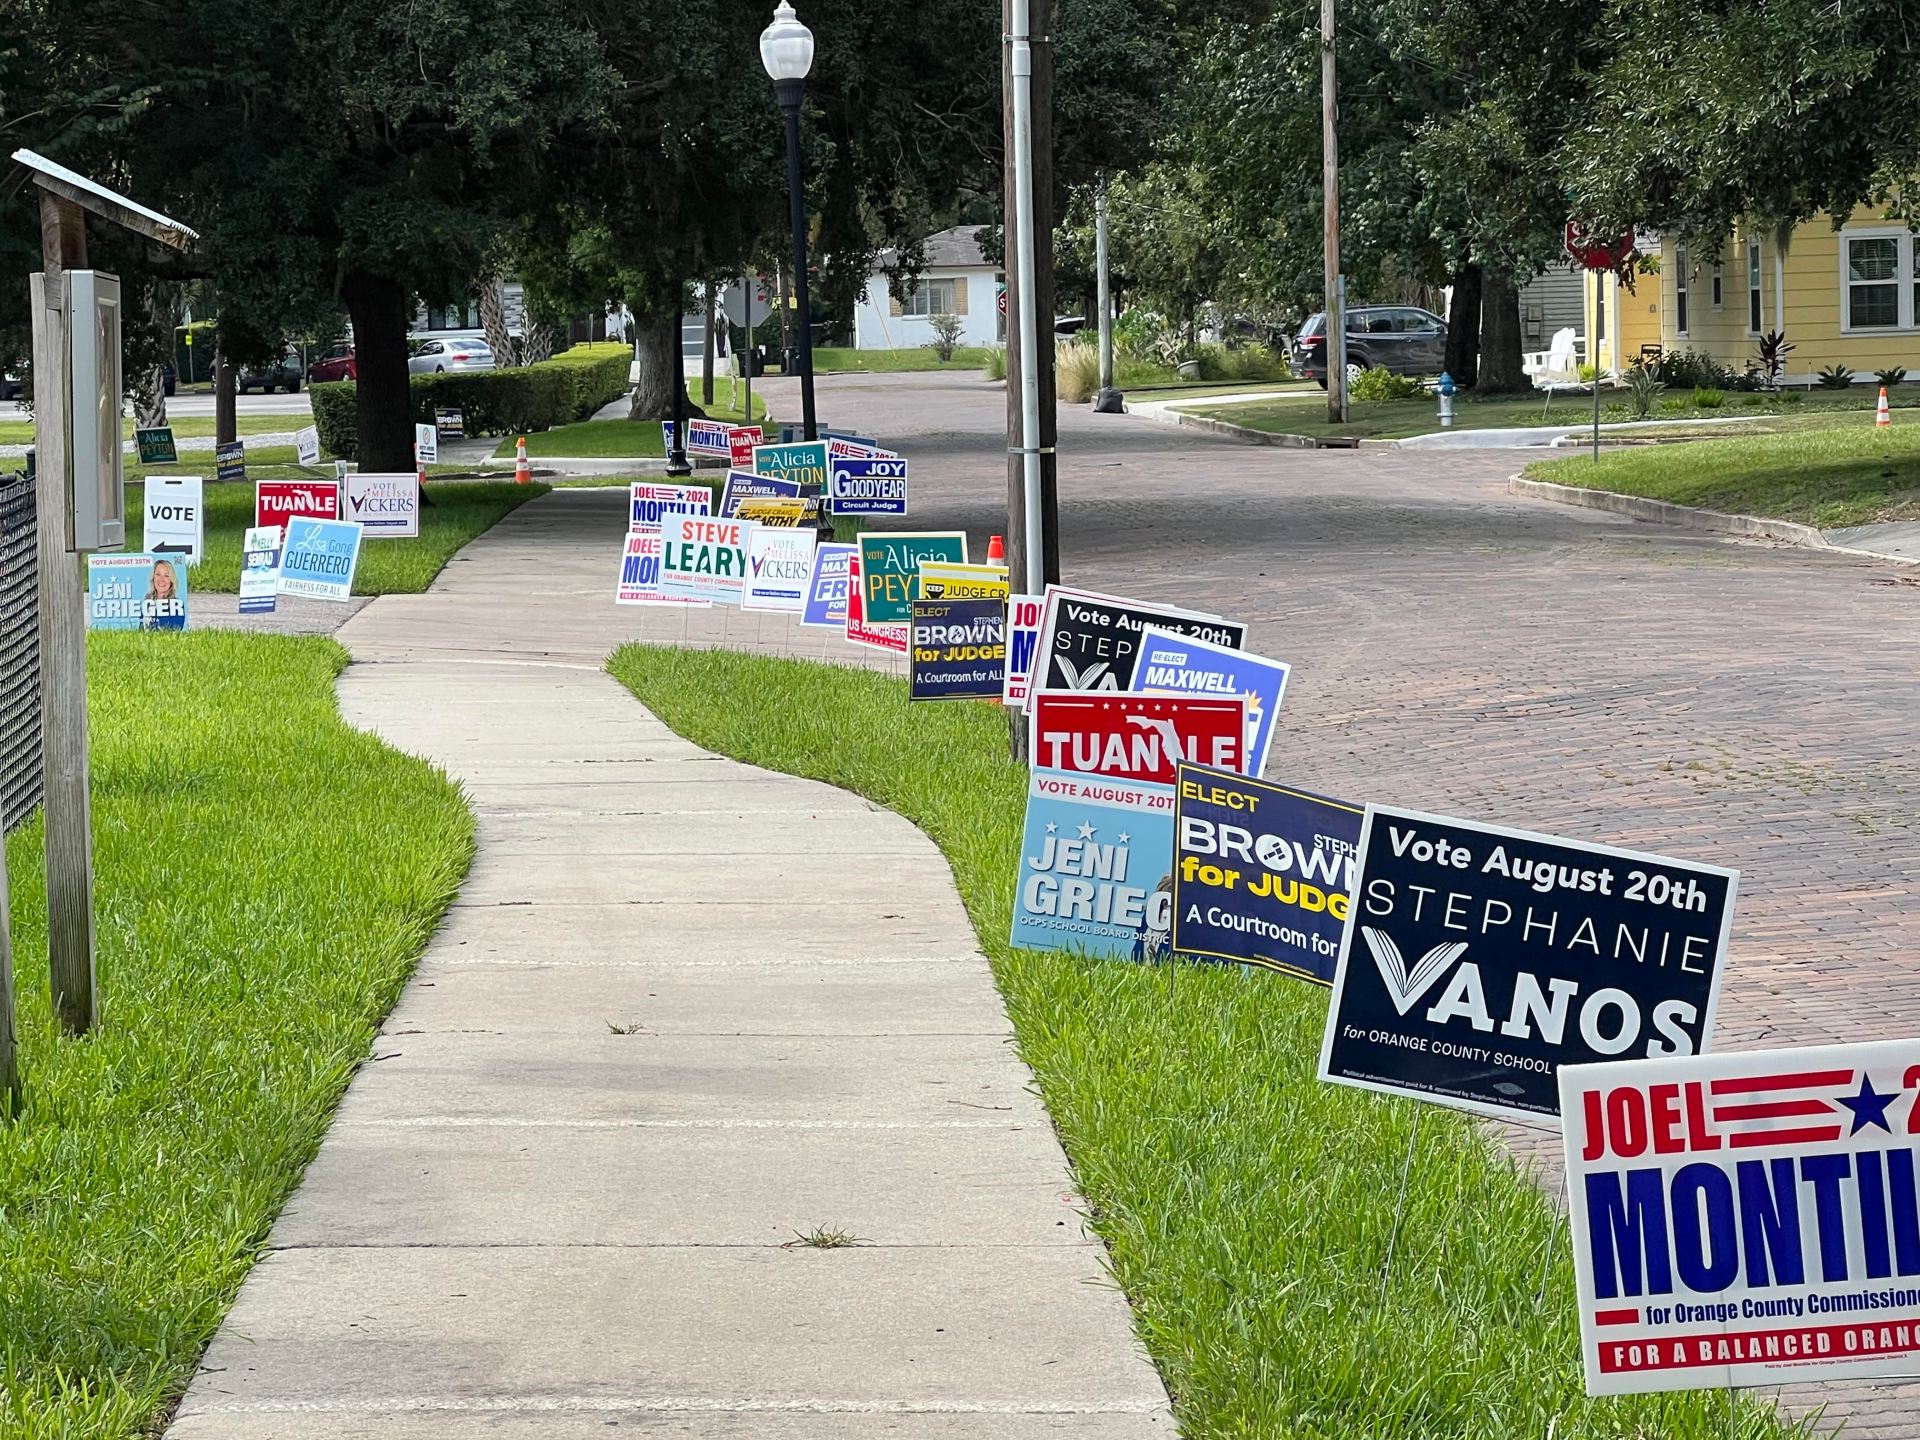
<point>1622,324</point>
<point>1844,297</point>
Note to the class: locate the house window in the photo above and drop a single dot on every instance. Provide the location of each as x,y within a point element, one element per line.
<point>1681,260</point>
<point>1753,287</point>
<point>1879,279</point>
<point>929,297</point>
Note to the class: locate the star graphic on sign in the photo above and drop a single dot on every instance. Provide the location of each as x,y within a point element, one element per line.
<point>1086,832</point>
<point>1051,827</point>
<point>1869,1107</point>
<point>1124,837</point>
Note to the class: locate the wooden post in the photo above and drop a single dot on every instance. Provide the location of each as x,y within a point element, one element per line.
<point>63,631</point>
<point>1335,308</point>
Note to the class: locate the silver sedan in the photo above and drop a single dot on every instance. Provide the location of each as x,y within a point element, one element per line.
<point>437,357</point>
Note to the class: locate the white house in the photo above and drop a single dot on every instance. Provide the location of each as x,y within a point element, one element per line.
<point>957,280</point>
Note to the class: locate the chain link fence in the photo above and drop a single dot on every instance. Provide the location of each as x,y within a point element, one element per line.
<point>19,654</point>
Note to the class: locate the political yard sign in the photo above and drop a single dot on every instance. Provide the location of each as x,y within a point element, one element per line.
<point>742,486</point>
<point>740,441</point>
<point>260,569</point>
<point>867,487</point>
<point>959,650</point>
<point>175,517</point>
<point>779,562</point>
<point>1090,641</point>
<point>1478,960</point>
<point>1023,641</point>
<point>385,506</point>
<point>318,559</point>
<point>804,462</point>
<point>890,568</point>
<point>1749,1219</point>
<point>649,502</point>
<point>426,444</point>
<point>859,630</point>
<point>705,558</point>
<point>1183,665</point>
<point>136,592</point>
<point>1261,873</point>
<point>230,461</point>
<point>639,582</point>
<point>1095,867</point>
<point>827,584</point>
<point>276,502</point>
<point>156,446</point>
<point>707,437</point>
<point>944,580</point>
<point>1137,737</point>
<point>306,445</point>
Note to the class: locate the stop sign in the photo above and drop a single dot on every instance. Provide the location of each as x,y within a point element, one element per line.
<point>1593,254</point>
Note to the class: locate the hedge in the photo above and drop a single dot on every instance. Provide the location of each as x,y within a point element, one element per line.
<point>513,401</point>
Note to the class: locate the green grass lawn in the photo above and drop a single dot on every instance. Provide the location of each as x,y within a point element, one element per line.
<point>1397,419</point>
<point>1184,390</point>
<point>1837,474</point>
<point>1245,1205</point>
<point>20,432</point>
<point>622,439</point>
<point>874,362</point>
<point>266,877</point>
<point>459,512</point>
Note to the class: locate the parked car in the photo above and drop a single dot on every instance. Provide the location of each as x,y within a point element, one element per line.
<point>336,362</point>
<point>169,379</point>
<point>11,387</point>
<point>436,357</point>
<point>1403,338</point>
<point>281,374</point>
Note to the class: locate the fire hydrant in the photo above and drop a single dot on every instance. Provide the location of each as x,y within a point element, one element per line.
<point>1446,398</point>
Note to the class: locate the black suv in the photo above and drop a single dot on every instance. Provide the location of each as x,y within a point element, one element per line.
<point>1404,338</point>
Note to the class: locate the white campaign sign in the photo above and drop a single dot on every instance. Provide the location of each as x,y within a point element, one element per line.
<point>176,517</point>
<point>426,444</point>
<point>1747,1219</point>
<point>386,507</point>
<point>306,446</point>
<point>779,565</point>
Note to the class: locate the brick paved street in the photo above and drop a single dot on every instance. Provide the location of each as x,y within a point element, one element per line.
<point>1460,650</point>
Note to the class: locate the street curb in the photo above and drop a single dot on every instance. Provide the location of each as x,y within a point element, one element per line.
<point>1266,437</point>
<point>1662,512</point>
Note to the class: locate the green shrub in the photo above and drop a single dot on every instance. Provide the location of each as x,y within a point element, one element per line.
<point>1076,373</point>
<point>1791,397</point>
<point>1223,364</point>
<point>1707,397</point>
<point>1836,377</point>
<point>1588,373</point>
<point>1690,370</point>
<point>1376,382</point>
<point>1643,389</point>
<point>1892,375</point>
<point>514,401</point>
<point>947,330</point>
<point>996,366</point>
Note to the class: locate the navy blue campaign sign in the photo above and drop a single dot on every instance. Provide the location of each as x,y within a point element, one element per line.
<point>957,649</point>
<point>1261,873</point>
<point>1478,959</point>
<point>867,487</point>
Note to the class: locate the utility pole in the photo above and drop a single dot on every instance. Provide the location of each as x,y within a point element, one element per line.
<point>677,465</point>
<point>1109,400</point>
<point>1033,544</point>
<point>1336,306</point>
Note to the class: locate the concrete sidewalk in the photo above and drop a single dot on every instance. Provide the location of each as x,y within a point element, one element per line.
<point>683,1012</point>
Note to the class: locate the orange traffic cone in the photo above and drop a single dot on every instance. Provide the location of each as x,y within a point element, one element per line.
<point>1881,416</point>
<point>996,551</point>
<point>522,472</point>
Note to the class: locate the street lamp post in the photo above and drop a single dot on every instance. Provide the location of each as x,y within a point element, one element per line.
<point>786,49</point>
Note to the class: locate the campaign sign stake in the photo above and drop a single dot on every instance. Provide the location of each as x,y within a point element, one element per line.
<point>1479,959</point>
<point>1261,873</point>
<point>1748,1219</point>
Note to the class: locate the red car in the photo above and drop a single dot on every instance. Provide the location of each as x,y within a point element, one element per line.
<point>336,363</point>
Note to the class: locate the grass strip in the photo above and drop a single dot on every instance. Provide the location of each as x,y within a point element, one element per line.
<point>1246,1207</point>
<point>1844,474</point>
<point>894,362</point>
<point>266,877</point>
<point>622,439</point>
<point>458,514</point>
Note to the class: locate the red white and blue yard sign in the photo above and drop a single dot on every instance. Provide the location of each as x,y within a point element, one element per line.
<point>1746,1219</point>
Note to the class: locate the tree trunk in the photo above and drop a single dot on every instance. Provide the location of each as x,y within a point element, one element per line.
<point>493,317</point>
<point>706,360</point>
<point>383,398</point>
<point>226,419</point>
<point>150,389</point>
<point>654,337</point>
<point>1463,328</point>
<point>536,339</point>
<point>1501,371</point>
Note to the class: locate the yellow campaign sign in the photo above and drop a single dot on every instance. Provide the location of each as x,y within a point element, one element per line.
<point>790,513</point>
<point>950,580</point>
